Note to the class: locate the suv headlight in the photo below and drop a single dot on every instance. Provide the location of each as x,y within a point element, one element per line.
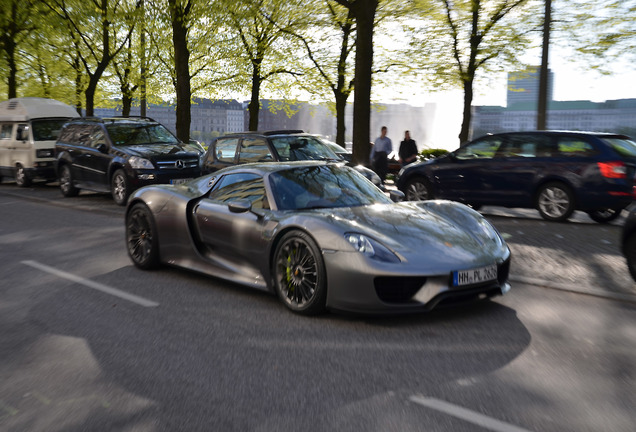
<point>140,163</point>
<point>371,248</point>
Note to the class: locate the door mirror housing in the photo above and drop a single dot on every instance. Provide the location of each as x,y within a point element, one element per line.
<point>240,206</point>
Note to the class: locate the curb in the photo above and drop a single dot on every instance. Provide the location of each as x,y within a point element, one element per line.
<point>576,289</point>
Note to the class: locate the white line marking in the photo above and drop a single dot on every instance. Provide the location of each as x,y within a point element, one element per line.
<point>90,284</point>
<point>466,414</point>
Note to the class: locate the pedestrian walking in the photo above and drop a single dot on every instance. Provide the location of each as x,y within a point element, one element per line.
<point>380,154</point>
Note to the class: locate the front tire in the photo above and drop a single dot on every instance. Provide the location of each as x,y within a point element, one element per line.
<point>120,187</point>
<point>418,189</point>
<point>630,254</point>
<point>142,241</point>
<point>21,177</point>
<point>555,202</point>
<point>299,274</point>
<point>605,215</point>
<point>66,182</point>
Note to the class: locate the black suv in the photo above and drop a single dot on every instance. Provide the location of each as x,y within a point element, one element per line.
<point>119,155</point>
<point>273,146</point>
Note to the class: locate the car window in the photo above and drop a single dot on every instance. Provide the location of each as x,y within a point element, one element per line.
<point>6,131</point>
<point>96,138</point>
<point>139,133</point>
<point>527,146</point>
<point>622,146</point>
<point>226,149</point>
<point>47,130</point>
<point>573,147</point>
<point>293,148</point>
<point>254,150</point>
<point>324,186</point>
<point>485,148</point>
<point>241,186</point>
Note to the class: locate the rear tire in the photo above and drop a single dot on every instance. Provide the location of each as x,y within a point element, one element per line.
<point>418,189</point>
<point>21,177</point>
<point>555,202</point>
<point>605,215</point>
<point>630,254</point>
<point>66,182</point>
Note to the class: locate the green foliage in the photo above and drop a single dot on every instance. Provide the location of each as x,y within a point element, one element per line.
<point>432,153</point>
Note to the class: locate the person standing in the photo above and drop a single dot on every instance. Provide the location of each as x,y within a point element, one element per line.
<point>408,150</point>
<point>380,154</point>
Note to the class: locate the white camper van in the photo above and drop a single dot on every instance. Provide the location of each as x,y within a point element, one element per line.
<point>29,128</point>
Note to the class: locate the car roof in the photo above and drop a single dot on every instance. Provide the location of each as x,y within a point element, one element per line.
<point>559,132</point>
<point>267,133</point>
<point>112,120</point>
<point>269,167</point>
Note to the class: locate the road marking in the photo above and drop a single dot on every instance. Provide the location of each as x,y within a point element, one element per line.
<point>90,284</point>
<point>466,414</point>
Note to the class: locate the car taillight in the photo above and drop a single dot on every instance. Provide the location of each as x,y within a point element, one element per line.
<point>615,170</point>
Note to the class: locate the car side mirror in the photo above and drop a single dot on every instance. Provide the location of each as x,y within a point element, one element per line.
<point>102,148</point>
<point>397,196</point>
<point>240,206</point>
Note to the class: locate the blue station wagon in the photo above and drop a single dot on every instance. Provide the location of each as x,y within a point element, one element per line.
<point>554,172</point>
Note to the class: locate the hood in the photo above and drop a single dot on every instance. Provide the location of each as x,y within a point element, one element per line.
<point>161,150</point>
<point>435,231</point>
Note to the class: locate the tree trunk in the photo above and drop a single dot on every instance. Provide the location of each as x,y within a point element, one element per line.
<point>364,12</point>
<point>341,106</point>
<point>12,81</point>
<point>182,68</point>
<point>467,115</point>
<point>126,103</point>
<point>254,105</point>
<point>542,105</point>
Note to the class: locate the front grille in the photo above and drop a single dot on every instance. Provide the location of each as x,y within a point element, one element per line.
<point>397,289</point>
<point>186,163</point>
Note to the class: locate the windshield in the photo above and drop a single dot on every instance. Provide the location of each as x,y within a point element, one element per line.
<point>47,130</point>
<point>135,134</point>
<point>295,148</point>
<point>623,146</point>
<point>324,186</point>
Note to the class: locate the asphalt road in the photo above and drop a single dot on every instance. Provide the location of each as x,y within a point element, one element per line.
<point>89,342</point>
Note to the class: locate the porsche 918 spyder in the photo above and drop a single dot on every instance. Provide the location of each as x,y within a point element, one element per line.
<point>319,235</point>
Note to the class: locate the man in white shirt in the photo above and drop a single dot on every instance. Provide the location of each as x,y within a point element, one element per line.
<point>382,147</point>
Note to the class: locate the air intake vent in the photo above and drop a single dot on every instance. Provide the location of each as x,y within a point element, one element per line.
<point>12,105</point>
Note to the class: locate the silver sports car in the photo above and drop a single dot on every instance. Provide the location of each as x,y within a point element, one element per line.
<point>319,235</point>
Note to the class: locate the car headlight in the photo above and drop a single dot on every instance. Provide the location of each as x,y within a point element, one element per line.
<point>44,153</point>
<point>140,163</point>
<point>371,248</point>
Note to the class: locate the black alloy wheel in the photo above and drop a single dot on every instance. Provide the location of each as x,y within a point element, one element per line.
<point>141,237</point>
<point>605,215</point>
<point>630,254</point>
<point>299,274</point>
<point>120,187</point>
<point>21,177</point>
<point>418,189</point>
<point>555,202</point>
<point>66,182</point>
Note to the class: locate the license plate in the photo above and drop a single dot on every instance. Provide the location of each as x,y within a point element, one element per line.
<point>179,181</point>
<point>475,276</point>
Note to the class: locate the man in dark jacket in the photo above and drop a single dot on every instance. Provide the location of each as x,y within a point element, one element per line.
<point>408,150</point>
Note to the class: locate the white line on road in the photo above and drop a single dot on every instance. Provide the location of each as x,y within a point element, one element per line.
<point>466,414</point>
<point>90,284</point>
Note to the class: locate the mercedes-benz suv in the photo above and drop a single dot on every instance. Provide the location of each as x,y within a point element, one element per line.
<point>120,154</point>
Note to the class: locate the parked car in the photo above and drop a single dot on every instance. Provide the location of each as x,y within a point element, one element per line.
<point>319,235</point>
<point>29,128</point>
<point>628,242</point>
<point>119,155</point>
<point>274,146</point>
<point>554,172</point>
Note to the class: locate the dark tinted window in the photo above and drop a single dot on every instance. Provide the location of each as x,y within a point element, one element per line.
<point>240,186</point>
<point>6,131</point>
<point>254,150</point>
<point>484,148</point>
<point>575,147</point>
<point>293,148</point>
<point>47,130</point>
